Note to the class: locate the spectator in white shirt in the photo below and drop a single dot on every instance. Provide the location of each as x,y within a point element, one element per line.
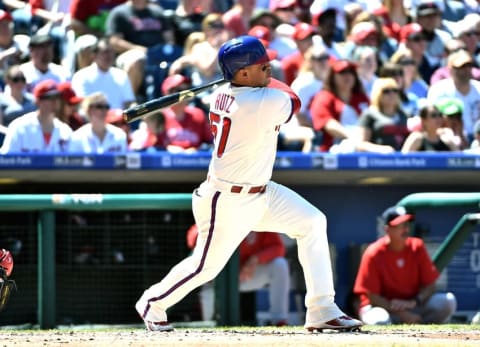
<point>462,86</point>
<point>102,76</point>
<point>40,67</point>
<point>97,136</point>
<point>39,131</point>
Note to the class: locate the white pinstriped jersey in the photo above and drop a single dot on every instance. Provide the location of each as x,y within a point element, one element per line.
<point>246,120</point>
<point>25,135</point>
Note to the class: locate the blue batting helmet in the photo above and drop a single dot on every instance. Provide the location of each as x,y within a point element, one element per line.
<point>240,52</point>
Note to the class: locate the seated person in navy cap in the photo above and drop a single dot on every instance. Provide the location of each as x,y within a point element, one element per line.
<point>396,281</point>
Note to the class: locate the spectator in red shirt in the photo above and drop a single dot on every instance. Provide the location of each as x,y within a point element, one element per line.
<point>70,103</point>
<point>394,15</point>
<point>396,279</point>
<point>187,126</point>
<point>303,37</point>
<point>262,262</point>
<point>237,18</point>
<point>150,135</point>
<point>90,16</point>
<point>336,108</point>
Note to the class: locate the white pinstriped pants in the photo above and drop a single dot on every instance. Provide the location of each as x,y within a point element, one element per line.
<point>224,219</point>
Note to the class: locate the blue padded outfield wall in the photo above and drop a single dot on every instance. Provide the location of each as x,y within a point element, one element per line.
<point>352,190</point>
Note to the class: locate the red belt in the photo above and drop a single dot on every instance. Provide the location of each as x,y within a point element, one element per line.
<point>252,190</point>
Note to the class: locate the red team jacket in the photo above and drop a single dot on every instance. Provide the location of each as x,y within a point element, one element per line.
<point>265,245</point>
<point>392,274</point>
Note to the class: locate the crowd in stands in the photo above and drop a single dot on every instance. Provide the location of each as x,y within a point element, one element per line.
<point>377,76</point>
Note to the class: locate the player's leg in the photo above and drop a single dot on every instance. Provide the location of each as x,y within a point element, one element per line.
<point>222,226</point>
<point>207,300</point>
<point>276,275</point>
<point>439,308</point>
<point>293,215</point>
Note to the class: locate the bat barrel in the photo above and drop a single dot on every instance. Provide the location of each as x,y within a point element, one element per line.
<point>149,107</point>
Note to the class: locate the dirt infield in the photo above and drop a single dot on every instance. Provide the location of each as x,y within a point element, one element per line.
<point>278,337</point>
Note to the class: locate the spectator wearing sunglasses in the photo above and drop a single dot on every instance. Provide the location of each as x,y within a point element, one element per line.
<point>39,131</point>
<point>413,82</point>
<point>411,37</point>
<point>408,100</point>
<point>443,72</point>
<point>97,136</point>
<point>336,108</point>
<point>460,85</point>
<point>433,136</point>
<point>15,101</point>
<point>468,31</point>
<point>383,126</point>
<point>428,15</point>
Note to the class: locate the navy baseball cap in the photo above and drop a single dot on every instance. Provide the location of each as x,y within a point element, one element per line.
<point>396,215</point>
<point>427,7</point>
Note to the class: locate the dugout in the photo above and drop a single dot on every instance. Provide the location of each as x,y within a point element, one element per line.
<point>105,259</point>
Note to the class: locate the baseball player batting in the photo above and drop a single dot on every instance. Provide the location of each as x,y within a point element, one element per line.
<point>238,194</point>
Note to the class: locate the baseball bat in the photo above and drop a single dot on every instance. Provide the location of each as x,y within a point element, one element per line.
<point>149,107</point>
